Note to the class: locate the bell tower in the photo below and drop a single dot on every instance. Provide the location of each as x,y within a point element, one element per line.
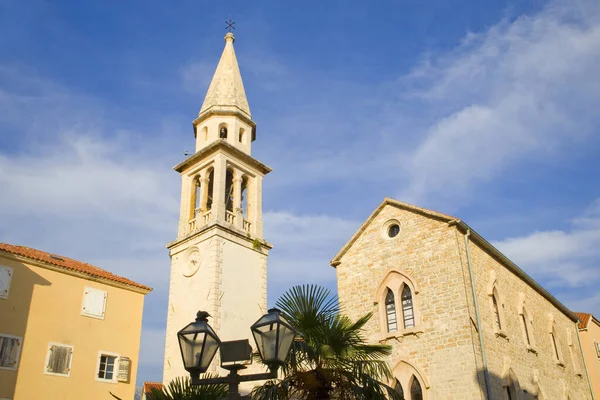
<point>219,259</point>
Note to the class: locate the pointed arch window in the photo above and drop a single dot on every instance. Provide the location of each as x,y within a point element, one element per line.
<point>416,392</point>
<point>554,344</point>
<point>407,307</point>
<point>398,388</point>
<point>496,311</point>
<point>526,329</point>
<point>390,310</point>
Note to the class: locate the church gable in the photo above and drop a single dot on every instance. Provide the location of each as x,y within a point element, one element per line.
<point>391,222</point>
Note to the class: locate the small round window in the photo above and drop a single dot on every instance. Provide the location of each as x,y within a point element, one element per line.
<point>393,230</point>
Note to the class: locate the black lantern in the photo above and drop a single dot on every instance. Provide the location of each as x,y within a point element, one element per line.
<point>274,337</point>
<point>198,343</point>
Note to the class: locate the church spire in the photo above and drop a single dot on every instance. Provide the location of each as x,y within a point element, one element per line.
<point>226,91</point>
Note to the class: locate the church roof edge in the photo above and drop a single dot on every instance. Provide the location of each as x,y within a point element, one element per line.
<point>475,237</point>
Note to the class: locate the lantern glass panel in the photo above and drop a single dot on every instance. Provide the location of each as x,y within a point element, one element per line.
<point>198,344</point>
<point>286,338</point>
<point>274,337</point>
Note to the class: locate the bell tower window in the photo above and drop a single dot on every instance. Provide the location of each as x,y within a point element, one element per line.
<point>209,199</point>
<point>197,196</point>
<point>229,190</point>
<point>241,135</point>
<point>223,132</point>
<point>244,194</point>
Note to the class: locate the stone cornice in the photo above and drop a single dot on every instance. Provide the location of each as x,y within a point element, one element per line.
<point>226,148</point>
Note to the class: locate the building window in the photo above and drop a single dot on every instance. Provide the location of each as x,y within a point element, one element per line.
<point>554,344</point>
<point>5,278</point>
<point>10,349</point>
<point>597,349</point>
<point>398,388</point>
<point>390,311</point>
<point>209,199</point>
<point>107,365</point>
<point>416,393</point>
<point>58,359</point>
<point>508,393</point>
<point>241,135</point>
<point>407,308</point>
<point>94,303</point>
<point>496,312</point>
<point>527,338</point>
<point>397,300</point>
<point>393,230</point>
<point>223,132</point>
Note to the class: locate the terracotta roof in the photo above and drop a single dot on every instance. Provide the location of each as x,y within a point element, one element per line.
<point>584,319</point>
<point>148,386</point>
<point>68,264</point>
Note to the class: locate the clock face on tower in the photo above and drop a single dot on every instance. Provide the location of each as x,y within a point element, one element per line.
<point>192,262</point>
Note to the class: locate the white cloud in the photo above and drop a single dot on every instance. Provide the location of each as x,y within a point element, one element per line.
<point>519,91</point>
<point>560,256</point>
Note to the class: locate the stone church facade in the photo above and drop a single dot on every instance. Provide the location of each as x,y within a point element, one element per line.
<point>464,321</point>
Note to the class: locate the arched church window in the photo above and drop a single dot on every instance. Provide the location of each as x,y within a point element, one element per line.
<point>241,135</point>
<point>390,310</point>
<point>554,344</point>
<point>211,183</point>
<point>229,190</point>
<point>223,132</point>
<point>496,311</point>
<point>205,134</point>
<point>416,393</point>
<point>398,388</point>
<point>407,308</point>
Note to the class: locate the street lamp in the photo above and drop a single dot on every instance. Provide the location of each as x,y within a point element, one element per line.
<point>198,342</point>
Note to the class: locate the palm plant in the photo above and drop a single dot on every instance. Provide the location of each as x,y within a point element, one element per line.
<point>330,358</point>
<point>182,389</point>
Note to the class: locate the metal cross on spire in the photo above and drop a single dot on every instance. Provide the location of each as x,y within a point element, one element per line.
<point>230,26</point>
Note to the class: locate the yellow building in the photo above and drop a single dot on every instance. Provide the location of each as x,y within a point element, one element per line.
<point>68,330</point>
<point>589,331</point>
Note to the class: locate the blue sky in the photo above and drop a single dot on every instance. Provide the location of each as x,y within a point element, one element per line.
<point>483,110</point>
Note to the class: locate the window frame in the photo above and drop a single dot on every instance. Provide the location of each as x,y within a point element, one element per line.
<point>18,355</point>
<point>117,357</point>
<point>83,303</point>
<point>11,273</point>
<point>395,281</point>
<point>48,354</point>
<point>389,312</point>
<point>526,323</point>
<point>597,348</point>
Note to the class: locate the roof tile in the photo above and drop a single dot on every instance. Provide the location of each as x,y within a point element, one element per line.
<point>68,263</point>
<point>584,319</point>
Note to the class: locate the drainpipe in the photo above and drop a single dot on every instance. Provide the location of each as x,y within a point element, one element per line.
<point>587,373</point>
<point>486,373</point>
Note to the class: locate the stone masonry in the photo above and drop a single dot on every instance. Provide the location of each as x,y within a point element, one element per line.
<point>442,351</point>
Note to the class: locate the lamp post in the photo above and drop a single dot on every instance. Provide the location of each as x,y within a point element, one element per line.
<point>199,343</point>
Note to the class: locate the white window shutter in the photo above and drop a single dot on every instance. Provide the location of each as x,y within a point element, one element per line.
<point>10,347</point>
<point>94,302</point>
<point>5,278</point>
<point>124,368</point>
